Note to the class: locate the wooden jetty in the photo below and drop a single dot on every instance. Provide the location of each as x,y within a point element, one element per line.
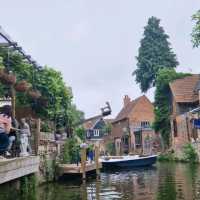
<point>74,169</point>
<point>11,169</point>
<point>84,167</point>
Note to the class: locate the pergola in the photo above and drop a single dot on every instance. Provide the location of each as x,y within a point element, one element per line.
<point>6,41</point>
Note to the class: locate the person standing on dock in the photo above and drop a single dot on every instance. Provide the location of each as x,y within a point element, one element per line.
<point>5,127</point>
<point>91,155</point>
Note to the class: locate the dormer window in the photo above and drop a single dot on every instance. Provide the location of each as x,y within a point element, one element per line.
<point>96,132</point>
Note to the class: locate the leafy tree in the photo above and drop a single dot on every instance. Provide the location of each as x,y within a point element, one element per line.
<point>76,116</point>
<point>55,93</point>
<point>80,132</point>
<point>162,104</point>
<point>155,53</point>
<point>196,29</point>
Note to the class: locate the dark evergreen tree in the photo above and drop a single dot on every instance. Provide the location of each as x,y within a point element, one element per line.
<point>196,29</point>
<point>155,53</point>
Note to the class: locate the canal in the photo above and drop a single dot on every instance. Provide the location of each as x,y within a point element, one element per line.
<point>165,181</point>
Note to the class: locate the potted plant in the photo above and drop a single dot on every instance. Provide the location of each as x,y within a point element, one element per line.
<point>22,86</point>
<point>35,94</point>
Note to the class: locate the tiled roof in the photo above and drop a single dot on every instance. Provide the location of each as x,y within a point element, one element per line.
<point>89,123</point>
<point>123,114</point>
<point>183,90</point>
<point>108,120</point>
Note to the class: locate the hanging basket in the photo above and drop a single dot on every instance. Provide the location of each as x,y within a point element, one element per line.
<point>22,86</point>
<point>34,94</point>
<point>7,79</point>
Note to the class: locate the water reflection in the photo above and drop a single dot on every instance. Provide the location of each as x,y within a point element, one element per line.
<point>164,182</point>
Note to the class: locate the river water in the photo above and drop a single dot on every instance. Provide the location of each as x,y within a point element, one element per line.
<point>165,181</point>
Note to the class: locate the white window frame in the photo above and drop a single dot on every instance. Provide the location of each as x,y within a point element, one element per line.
<point>96,132</point>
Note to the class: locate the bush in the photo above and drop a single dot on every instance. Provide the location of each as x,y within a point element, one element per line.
<point>70,151</point>
<point>169,157</point>
<point>190,153</point>
<point>110,147</point>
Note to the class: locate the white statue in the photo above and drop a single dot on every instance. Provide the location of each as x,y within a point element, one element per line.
<point>24,145</point>
<point>24,138</point>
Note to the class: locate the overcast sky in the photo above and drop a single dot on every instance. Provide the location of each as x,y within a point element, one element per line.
<point>94,42</point>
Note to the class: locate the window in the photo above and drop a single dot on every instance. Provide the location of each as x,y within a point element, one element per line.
<point>175,128</point>
<point>145,124</point>
<point>88,134</point>
<point>138,139</point>
<point>96,132</point>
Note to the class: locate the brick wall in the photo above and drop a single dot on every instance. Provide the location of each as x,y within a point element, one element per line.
<point>143,111</point>
<point>183,133</point>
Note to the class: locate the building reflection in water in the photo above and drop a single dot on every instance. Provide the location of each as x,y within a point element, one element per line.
<point>167,181</point>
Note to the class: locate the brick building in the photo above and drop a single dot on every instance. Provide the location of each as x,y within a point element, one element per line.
<point>185,96</point>
<point>132,127</point>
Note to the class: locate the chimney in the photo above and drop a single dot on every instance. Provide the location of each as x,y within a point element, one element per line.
<point>126,100</point>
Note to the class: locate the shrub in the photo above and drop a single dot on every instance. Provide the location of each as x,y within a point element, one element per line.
<point>110,147</point>
<point>169,157</point>
<point>70,151</point>
<point>190,153</point>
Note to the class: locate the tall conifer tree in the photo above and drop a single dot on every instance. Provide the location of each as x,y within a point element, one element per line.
<point>154,54</point>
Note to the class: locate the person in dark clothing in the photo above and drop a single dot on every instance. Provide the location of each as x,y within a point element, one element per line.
<point>13,133</point>
<point>5,127</point>
<point>91,155</point>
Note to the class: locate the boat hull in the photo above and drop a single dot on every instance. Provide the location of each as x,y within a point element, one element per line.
<point>140,162</point>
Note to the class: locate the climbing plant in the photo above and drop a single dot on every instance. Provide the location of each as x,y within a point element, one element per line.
<point>163,102</point>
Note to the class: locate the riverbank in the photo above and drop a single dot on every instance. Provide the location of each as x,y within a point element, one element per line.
<point>188,154</point>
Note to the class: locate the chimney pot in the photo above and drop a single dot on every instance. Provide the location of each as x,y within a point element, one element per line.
<point>127,100</point>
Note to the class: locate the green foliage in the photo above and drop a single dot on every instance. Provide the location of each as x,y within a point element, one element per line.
<point>110,147</point>
<point>49,82</point>
<point>80,132</point>
<point>162,104</point>
<point>107,129</point>
<point>28,187</point>
<point>196,29</point>
<point>190,153</point>
<point>155,53</point>
<point>71,151</point>
<point>169,157</point>
<point>76,116</point>
<point>49,168</point>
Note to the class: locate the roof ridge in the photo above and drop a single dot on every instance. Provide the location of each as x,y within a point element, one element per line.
<point>124,112</point>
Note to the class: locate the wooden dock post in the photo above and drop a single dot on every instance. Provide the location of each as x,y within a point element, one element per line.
<point>37,136</point>
<point>97,161</point>
<point>83,163</point>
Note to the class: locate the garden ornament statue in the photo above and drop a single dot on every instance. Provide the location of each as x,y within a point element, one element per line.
<point>24,144</point>
<point>24,138</point>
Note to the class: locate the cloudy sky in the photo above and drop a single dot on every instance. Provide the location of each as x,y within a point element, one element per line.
<point>94,42</point>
